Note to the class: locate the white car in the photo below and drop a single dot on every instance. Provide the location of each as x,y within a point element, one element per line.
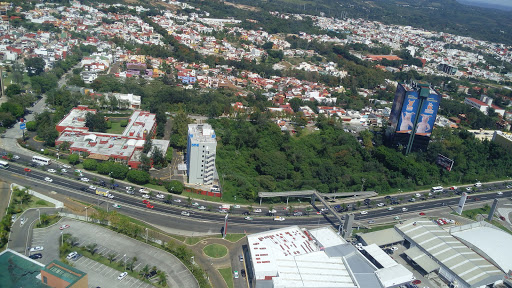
<point>177,200</point>
<point>92,187</point>
<point>478,184</point>
<point>237,206</point>
<point>417,195</point>
<point>48,179</point>
<point>390,208</point>
<point>235,274</point>
<point>273,211</point>
<point>380,204</point>
<point>110,196</point>
<point>404,209</point>
<point>161,196</point>
<point>201,208</point>
<point>185,213</point>
<point>142,190</point>
<point>52,170</point>
<point>66,166</point>
<point>397,217</point>
<point>63,170</point>
<point>116,206</point>
<point>122,275</point>
<point>16,157</point>
<point>195,204</point>
<point>84,179</point>
<point>468,189</point>
<point>37,248</point>
<point>71,255</point>
<point>500,193</point>
<point>145,196</point>
<point>129,188</point>
<point>248,218</point>
<point>257,210</point>
<point>364,212</point>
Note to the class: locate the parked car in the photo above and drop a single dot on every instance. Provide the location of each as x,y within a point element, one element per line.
<point>242,272</point>
<point>122,275</point>
<point>37,248</point>
<point>71,255</point>
<point>64,227</point>
<point>235,274</point>
<point>36,256</point>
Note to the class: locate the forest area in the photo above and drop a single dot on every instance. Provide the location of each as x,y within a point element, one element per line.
<point>256,156</point>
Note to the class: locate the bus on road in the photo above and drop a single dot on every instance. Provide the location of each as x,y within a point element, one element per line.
<point>4,164</point>
<point>41,160</point>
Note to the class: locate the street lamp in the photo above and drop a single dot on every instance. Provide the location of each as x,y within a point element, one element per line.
<point>39,216</point>
<point>146,235</point>
<point>124,262</point>
<point>61,239</point>
<point>86,218</point>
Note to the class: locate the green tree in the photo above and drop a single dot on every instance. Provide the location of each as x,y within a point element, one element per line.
<point>158,157</point>
<point>111,257</point>
<point>144,271</point>
<point>12,90</point>
<point>162,278</point>
<point>74,159</point>
<point>31,125</point>
<point>174,186</point>
<point>90,164</point>
<point>96,122</point>
<point>15,109</point>
<point>138,177</point>
<point>34,66</point>
<point>91,248</point>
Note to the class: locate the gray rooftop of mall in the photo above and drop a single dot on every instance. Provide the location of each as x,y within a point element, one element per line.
<point>447,251</point>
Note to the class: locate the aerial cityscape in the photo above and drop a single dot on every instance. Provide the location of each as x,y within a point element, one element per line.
<point>258,144</point>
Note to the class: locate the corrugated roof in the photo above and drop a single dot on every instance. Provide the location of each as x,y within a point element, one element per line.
<point>381,238</point>
<point>422,259</point>
<point>446,249</point>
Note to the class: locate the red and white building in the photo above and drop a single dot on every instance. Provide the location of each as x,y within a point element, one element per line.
<point>484,104</point>
<point>125,147</point>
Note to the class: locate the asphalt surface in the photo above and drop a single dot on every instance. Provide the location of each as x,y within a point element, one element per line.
<point>162,212</point>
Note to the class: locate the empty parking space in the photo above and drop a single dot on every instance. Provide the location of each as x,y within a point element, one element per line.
<point>103,276</point>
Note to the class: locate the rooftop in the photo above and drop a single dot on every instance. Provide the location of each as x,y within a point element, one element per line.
<point>76,117</point>
<point>446,249</point>
<point>64,271</point>
<point>140,123</point>
<point>488,240</point>
<point>381,237</point>
<point>203,133</point>
<point>17,270</point>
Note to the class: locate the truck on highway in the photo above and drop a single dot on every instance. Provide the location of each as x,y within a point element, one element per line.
<point>224,207</point>
<point>102,192</point>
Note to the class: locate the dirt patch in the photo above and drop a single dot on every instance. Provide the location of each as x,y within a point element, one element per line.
<point>243,7</point>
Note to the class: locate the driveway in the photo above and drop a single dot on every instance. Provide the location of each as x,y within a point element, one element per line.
<point>111,242</point>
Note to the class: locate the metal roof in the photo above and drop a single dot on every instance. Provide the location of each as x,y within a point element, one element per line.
<point>469,267</point>
<point>382,237</point>
<point>488,240</point>
<point>422,259</point>
<point>380,256</point>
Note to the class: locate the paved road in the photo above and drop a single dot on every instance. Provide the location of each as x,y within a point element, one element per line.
<point>21,234</point>
<point>165,215</point>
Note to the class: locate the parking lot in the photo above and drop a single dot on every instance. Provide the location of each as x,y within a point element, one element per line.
<point>110,242</point>
<point>104,276</point>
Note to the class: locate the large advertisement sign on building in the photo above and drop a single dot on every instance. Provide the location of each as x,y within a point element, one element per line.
<point>397,106</point>
<point>427,115</point>
<point>408,113</point>
<point>444,162</point>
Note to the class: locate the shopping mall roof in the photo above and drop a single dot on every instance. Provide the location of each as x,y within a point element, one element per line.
<point>489,241</point>
<point>420,258</point>
<point>382,237</point>
<point>379,255</point>
<point>449,252</point>
<point>18,270</point>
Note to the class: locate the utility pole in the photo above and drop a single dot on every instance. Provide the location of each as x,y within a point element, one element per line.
<point>1,81</point>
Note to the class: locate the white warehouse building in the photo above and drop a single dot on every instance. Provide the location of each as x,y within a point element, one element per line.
<point>201,147</point>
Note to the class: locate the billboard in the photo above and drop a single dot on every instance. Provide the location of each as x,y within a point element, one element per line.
<point>397,106</point>
<point>461,203</point>
<point>444,162</point>
<point>408,113</point>
<point>428,112</point>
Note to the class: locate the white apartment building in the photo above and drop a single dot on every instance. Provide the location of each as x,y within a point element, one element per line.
<point>201,151</point>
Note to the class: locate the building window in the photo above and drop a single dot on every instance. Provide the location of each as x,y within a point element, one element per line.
<point>45,280</point>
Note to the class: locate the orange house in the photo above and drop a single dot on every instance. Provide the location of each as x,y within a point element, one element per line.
<point>59,275</point>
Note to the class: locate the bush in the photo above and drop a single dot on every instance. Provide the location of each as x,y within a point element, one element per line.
<point>168,154</point>
<point>124,123</point>
<point>175,187</point>
<point>90,164</point>
<point>31,126</point>
<point>138,177</point>
<point>116,170</point>
<point>73,159</point>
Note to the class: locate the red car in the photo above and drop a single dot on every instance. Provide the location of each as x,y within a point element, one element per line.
<point>145,201</point>
<point>150,206</point>
<point>64,227</point>
<point>27,169</point>
<point>502,218</point>
<point>416,282</point>
<point>422,214</point>
<point>6,157</point>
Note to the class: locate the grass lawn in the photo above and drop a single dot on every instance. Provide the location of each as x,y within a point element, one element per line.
<point>234,237</point>
<point>373,229</point>
<point>472,213</point>
<point>156,187</point>
<point>116,128</point>
<point>227,275</point>
<point>230,237</point>
<point>215,250</point>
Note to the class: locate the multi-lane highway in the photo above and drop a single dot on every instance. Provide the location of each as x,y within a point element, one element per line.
<point>68,185</point>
